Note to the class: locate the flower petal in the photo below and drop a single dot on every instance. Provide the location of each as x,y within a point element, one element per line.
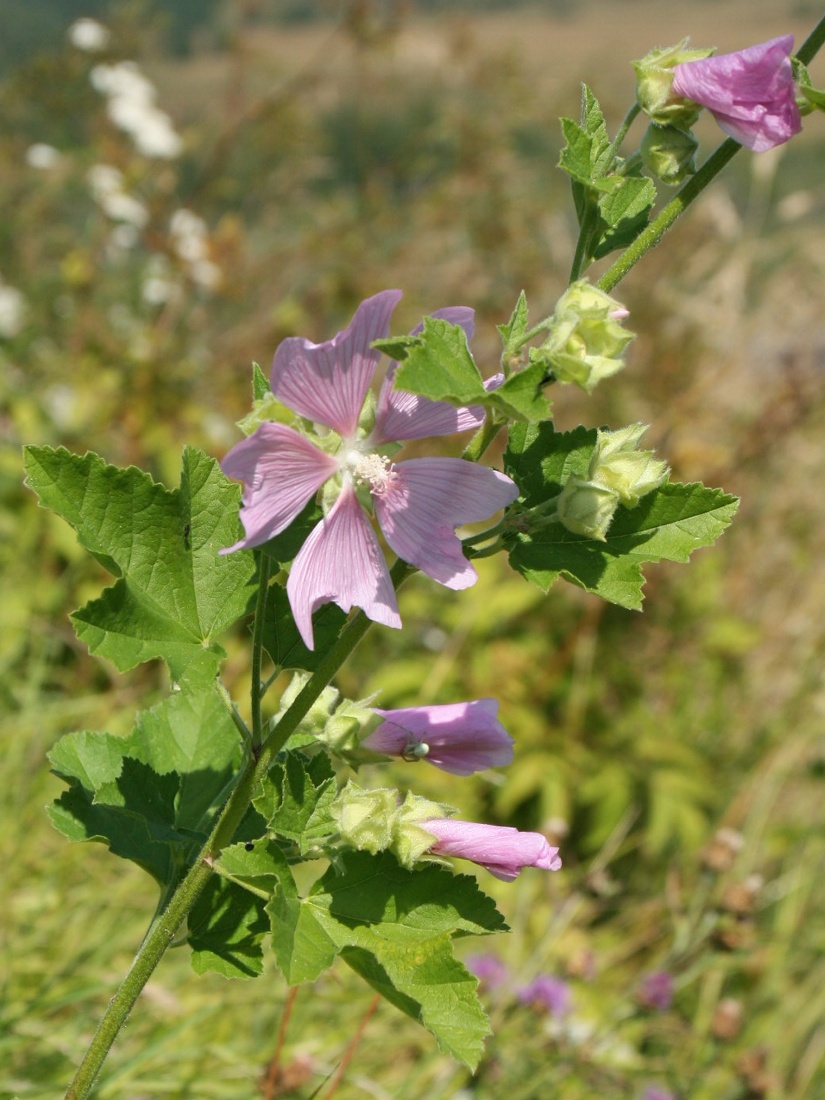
<point>281,471</point>
<point>403,415</point>
<point>461,738</point>
<point>750,93</point>
<point>328,382</point>
<point>341,562</point>
<point>426,500</point>
<point>502,850</point>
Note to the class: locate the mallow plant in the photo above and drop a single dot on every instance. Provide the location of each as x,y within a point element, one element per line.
<point>309,526</point>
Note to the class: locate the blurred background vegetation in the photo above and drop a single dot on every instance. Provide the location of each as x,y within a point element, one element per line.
<point>313,154</point>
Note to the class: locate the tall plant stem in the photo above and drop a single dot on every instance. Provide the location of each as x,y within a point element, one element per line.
<point>163,932</point>
<point>651,236</point>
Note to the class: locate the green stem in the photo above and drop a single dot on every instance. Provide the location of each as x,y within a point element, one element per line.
<point>813,43</point>
<point>482,439</point>
<point>163,931</point>
<point>257,652</point>
<point>651,236</point>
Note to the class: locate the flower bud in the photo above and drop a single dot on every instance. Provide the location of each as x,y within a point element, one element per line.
<point>587,508</point>
<point>375,821</point>
<point>616,464</point>
<point>667,153</point>
<point>365,818</point>
<point>585,339</point>
<point>654,79</point>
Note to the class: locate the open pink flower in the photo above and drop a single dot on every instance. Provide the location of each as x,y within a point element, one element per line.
<point>503,851</point>
<point>418,503</point>
<point>750,93</point>
<point>461,738</point>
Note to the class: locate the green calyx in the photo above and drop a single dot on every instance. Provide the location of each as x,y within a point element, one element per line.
<point>654,80</point>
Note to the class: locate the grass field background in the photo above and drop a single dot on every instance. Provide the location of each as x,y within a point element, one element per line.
<point>329,161</point>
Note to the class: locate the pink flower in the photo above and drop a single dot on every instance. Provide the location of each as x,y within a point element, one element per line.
<point>498,848</point>
<point>749,93</point>
<point>461,738</point>
<point>418,503</point>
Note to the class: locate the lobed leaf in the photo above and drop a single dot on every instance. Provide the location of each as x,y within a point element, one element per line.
<point>393,927</point>
<point>174,594</point>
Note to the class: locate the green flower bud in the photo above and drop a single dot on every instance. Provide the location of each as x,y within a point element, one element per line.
<point>587,508</point>
<point>654,77</point>
<point>617,465</point>
<point>365,819</point>
<point>375,820</point>
<point>585,339</point>
<point>667,153</point>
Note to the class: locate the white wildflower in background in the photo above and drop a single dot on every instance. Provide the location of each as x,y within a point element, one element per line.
<point>190,239</point>
<point>89,35</point>
<point>106,183</point>
<point>12,311</point>
<point>131,107</point>
<point>42,156</point>
<point>159,285</point>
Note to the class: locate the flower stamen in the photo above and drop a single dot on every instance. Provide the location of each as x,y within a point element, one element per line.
<point>375,470</point>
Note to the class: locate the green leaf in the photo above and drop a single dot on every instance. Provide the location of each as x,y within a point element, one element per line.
<point>282,641</point>
<point>134,817</point>
<point>513,331</point>
<point>586,156</point>
<point>226,928</point>
<point>258,864</point>
<point>295,798</point>
<point>396,347</point>
<point>393,927</point>
<point>285,546</point>
<point>427,983</point>
<point>192,735</point>
<point>669,523</point>
<point>260,383</point>
<point>377,890</point>
<point>624,211</point>
<point>441,367</point>
<point>174,594</point>
<point>520,397</point>
<point>149,796</point>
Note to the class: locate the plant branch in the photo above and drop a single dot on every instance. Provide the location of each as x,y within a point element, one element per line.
<point>163,932</point>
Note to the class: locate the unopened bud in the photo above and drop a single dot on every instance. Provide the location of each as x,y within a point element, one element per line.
<point>585,340</point>
<point>586,508</point>
<point>654,93</point>
<point>616,464</point>
<point>667,153</point>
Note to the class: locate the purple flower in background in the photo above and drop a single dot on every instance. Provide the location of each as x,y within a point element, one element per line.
<point>501,850</point>
<point>461,738</point>
<point>656,990</point>
<point>749,93</point>
<point>653,1092</point>
<point>489,969</point>
<point>418,503</point>
<point>547,993</point>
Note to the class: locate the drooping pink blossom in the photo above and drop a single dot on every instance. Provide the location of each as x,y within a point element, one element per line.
<point>750,93</point>
<point>460,738</point>
<point>501,850</point>
<point>418,502</point>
